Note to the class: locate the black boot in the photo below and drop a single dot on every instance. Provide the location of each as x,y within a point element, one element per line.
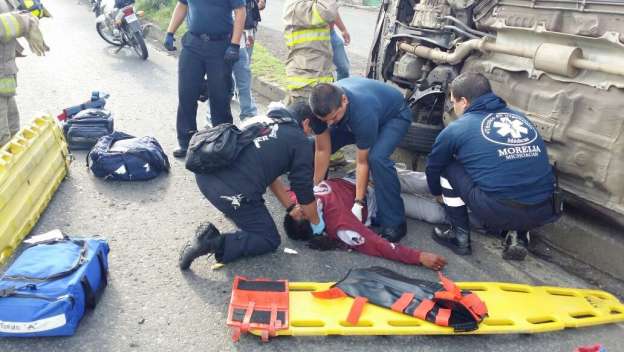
<point>516,245</point>
<point>207,239</point>
<point>179,153</point>
<point>393,233</point>
<point>455,238</point>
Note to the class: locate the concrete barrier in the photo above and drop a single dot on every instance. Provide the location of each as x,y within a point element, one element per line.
<point>32,166</point>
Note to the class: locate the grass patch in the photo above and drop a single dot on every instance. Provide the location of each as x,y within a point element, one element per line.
<point>266,65</point>
<point>263,63</point>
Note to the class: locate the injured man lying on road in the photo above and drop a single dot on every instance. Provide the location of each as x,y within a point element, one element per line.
<point>334,199</point>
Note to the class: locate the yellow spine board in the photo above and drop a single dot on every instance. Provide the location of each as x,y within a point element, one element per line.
<point>513,308</point>
<point>32,166</point>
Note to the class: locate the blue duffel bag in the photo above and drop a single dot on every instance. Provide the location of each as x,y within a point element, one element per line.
<point>120,156</point>
<point>47,289</point>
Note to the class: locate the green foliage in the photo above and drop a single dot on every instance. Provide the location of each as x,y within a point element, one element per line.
<point>266,65</point>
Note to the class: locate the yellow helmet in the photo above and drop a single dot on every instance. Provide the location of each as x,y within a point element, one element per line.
<point>35,7</point>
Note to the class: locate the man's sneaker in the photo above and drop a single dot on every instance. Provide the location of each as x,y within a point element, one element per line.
<point>179,153</point>
<point>454,238</point>
<point>206,240</point>
<point>393,233</point>
<point>516,245</point>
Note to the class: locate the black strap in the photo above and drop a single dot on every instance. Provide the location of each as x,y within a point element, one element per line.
<point>91,296</point>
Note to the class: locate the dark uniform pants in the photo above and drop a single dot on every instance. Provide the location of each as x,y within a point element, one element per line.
<point>199,58</point>
<point>390,209</point>
<point>257,232</point>
<point>459,193</point>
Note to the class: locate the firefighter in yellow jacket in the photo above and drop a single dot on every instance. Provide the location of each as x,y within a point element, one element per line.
<point>17,19</point>
<point>307,37</point>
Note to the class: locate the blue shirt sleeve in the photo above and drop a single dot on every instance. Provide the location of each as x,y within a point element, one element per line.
<point>442,154</point>
<point>185,2</point>
<point>365,134</point>
<point>237,3</point>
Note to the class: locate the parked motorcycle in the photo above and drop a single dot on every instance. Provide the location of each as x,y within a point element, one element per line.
<point>121,27</point>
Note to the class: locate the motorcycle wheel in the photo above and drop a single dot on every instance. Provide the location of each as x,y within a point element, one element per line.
<point>107,34</point>
<point>138,44</point>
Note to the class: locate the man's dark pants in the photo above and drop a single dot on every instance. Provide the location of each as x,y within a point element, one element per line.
<point>495,215</point>
<point>257,232</point>
<point>391,211</point>
<point>202,57</point>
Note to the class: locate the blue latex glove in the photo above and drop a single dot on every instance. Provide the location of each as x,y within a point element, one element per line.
<point>320,227</point>
<point>168,43</point>
<point>232,53</point>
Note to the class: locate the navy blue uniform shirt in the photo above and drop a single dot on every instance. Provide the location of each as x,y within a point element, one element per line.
<point>499,148</point>
<point>211,16</point>
<point>371,104</point>
<point>281,149</point>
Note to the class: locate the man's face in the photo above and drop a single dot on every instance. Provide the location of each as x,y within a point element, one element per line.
<point>337,114</point>
<point>459,105</point>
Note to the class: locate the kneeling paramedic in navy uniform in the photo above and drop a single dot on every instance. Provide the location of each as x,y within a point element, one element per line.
<point>493,161</point>
<point>209,48</point>
<point>373,116</point>
<point>237,191</point>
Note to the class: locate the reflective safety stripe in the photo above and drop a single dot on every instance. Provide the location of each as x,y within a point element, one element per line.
<point>307,35</point>
<point>445,183</point>
<point>16,26</point>
<point>298,82</point>
<point>8,85</point>
<point>8,31</point>
<point>316,16</point>
<point>453,201</point>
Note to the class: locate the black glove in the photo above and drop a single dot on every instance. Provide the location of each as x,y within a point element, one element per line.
<point>168,43</point>
<point>231,54</point>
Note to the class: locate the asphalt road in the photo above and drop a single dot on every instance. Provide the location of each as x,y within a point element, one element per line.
<point>149,304</point>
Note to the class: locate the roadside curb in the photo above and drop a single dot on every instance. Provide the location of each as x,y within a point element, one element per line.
<point>267,89</point>
<point>360,7</point>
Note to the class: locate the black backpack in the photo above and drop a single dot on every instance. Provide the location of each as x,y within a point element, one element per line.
<point>84,129</point>
<point>133,159</point>
<point>214,148</point>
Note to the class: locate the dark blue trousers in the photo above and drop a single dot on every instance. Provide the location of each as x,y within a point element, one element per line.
<point>201,58</point>
<point>257,232</point>
<point>460,193</point>
<point>390,209</point>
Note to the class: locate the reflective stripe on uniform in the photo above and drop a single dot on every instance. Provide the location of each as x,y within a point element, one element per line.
<point>11,26</point>
<point>8,85</point>
<point>445,183</point>
<point>316,16</point>
<point>298,82</point>
<point>307,35</point>
<point>453,201</point>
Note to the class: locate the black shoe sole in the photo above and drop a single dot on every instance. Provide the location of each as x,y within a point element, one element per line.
<point>515,253</point>
<point>184,264</point>
<point>454,248</point>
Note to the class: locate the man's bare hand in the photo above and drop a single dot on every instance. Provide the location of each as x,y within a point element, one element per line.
<point>432,261</point>
<point>347,37</point>
<point>439,199</point>
<point>261,4</point>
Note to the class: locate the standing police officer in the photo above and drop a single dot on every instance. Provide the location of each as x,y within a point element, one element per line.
<point>209,48</point>
<point>237,191</point>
